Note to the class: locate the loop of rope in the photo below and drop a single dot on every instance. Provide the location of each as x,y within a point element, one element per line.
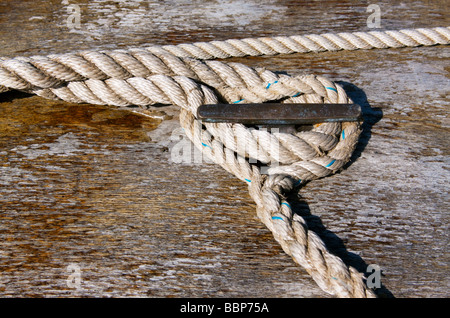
<point>184,75</point>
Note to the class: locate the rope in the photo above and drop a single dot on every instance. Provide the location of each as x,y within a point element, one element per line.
<point>48,71</point>
<point>186,75</point>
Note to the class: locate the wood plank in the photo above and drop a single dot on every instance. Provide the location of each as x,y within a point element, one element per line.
<point>97,188</point>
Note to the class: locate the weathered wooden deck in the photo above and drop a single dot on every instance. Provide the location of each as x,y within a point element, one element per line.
<point>94,187</point>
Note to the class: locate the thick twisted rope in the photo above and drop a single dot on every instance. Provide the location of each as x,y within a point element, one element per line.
<point>183,75</point>
<point>48,71</point>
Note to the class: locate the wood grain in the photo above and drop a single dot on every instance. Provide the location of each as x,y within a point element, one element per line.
<point>97,187</point>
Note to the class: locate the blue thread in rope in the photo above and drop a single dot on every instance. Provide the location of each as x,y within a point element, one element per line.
<point>205,145</point>
<point>328,165</point>
<point>268,85</point>
<point>332,88</point>
<point>238,101</point>
<point>343,134</point>
<point>277,218</point>
<point>286,204</point>
<point>248,180</point>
